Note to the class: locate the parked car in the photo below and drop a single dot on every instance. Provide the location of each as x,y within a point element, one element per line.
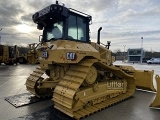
<point>154,61</point>
<point>144,60</point>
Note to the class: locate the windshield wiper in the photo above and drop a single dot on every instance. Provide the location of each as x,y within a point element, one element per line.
<point>55,38</point>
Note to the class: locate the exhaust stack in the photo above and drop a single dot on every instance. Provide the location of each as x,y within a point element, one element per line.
<point>98,37</point>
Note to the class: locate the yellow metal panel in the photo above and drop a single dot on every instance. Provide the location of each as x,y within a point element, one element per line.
<point>144,79</point>
<point>156,102</point>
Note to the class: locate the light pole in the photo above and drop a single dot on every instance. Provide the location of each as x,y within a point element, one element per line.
<point>141,49</point>
<point>142,42</point>
<point>124,52</point>
<point>0,35</point>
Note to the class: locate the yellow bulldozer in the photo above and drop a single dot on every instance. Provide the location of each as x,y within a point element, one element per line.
<point>31,57</point>
<point>81,76</point>
<point>8,54</point>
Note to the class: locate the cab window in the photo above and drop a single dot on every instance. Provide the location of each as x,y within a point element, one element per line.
<point>55,31</point>
<point>76,28</point>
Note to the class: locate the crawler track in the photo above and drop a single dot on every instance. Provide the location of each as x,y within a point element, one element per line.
<point>70,83</point>
<point>32,83</point>
<point>66,92</point>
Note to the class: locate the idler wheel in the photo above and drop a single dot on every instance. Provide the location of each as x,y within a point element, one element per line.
<point>92,75</point>
<point>42,92</point>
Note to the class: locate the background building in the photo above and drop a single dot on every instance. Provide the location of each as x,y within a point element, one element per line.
<point>136,55</point>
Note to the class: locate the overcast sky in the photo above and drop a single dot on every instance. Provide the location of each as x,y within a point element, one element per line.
<point>124,22</point>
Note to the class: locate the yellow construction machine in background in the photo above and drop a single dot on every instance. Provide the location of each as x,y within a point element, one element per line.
<point>81,76</point>
<point>31,57</point>
<point>8,54</point>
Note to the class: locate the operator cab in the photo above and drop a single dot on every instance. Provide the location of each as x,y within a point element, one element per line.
<point>61,23</point>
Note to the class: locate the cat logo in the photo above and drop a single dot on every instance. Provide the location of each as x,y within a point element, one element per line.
<point>71,56</point>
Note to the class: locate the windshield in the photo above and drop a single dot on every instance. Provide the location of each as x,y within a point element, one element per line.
<point>73,28</point>
<point>55,31</point>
